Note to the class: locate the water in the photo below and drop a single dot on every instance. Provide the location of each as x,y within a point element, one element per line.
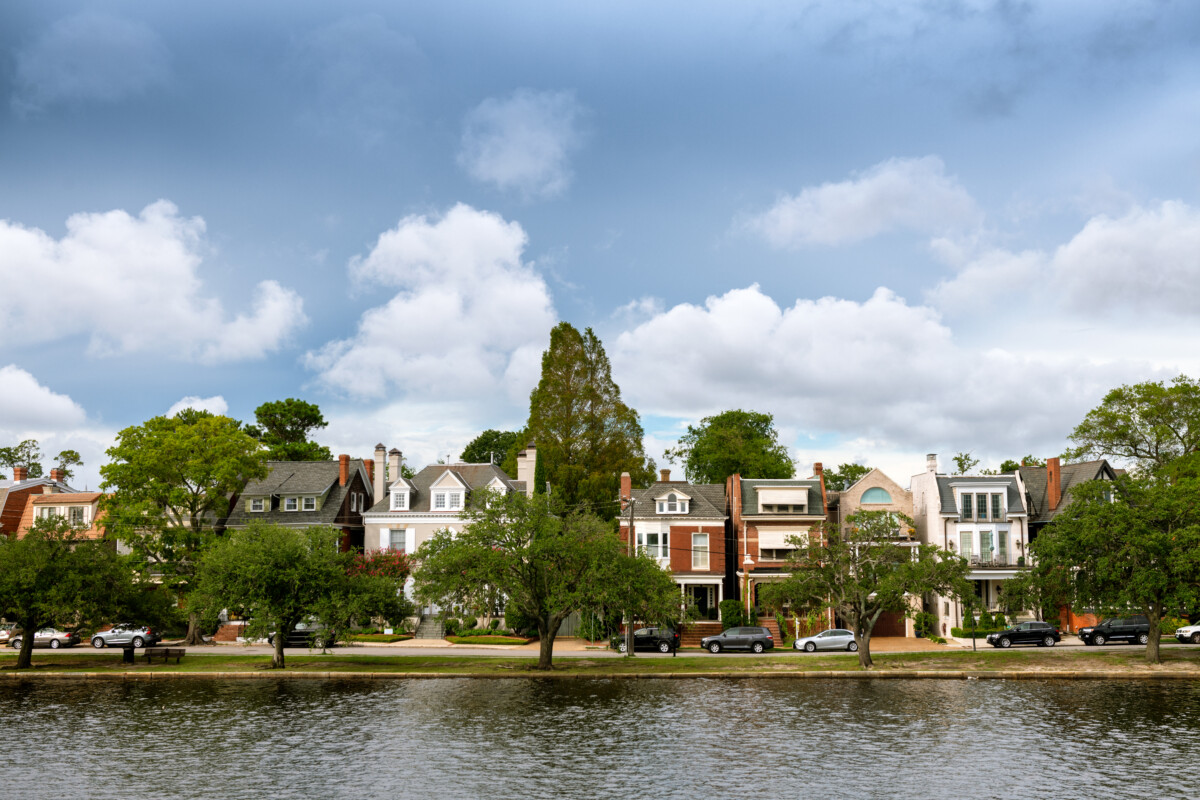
<point>605,738</point>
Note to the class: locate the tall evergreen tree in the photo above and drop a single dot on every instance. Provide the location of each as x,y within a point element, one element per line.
<point>284,427</point>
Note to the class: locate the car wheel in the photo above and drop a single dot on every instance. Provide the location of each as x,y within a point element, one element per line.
<point>1048,641</point>
<point>714,647</point>
<point>810,647</point>
<point>1005,641</point>
<point>622,648</point>
<point>55,644</point>
<point>16,644</point>
<point>1099,639</point>
<point>757,647</point>
<point>1143,638</point>
<point>139,641</point>
<point>852,647</point>
<point>664,647</point>
<point>97,643</point>
<point>1196,638</point>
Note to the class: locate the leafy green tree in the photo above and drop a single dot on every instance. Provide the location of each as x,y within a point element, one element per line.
<point>54,577</point>
<point>845,476</point>
<point>964,463</point>
<point>171,482</point>
<point>374,588</point>
<point>585,434</point>
<point>67,459</point>
<point>736,441</point>
<point>547,565</point>
<point>863,571</point>
<point>645,592</point>
<point>491,446</point>
<point>27,454</point>
<point>284,427</point>
<point>1149,424</point>
<point>1132,544</point>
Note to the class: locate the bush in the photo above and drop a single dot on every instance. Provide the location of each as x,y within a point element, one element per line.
<point>733,614</point>
<point>478,632</point>
<point>712,615</point>
<point>595,629</point>
<point>925,624</point>
<point>468,623</point>
<point>1168,625</point>
<point>450,625</point>
<point>980,633</point>
<point>517,622</point>
<point>936,639</point>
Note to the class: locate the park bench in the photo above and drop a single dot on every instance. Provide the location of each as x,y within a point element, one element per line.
<point>165,652</point>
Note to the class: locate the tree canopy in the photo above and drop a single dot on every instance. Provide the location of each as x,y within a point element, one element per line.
<point>964,463</point>
<point>1148,424</point>
<point>845,476</point>
<point>732,442</point>
<point>284,427</point>
<point>171,481</point>
<point>585,435</point>
<point>27,454</point>
<point>490,446</point>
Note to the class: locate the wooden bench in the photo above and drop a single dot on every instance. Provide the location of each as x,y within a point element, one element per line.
<point>165,652</point>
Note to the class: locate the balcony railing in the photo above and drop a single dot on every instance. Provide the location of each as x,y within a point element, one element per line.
<point>973,517</point>
<point>994,561</point>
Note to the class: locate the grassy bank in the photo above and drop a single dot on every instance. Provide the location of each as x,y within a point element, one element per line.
<point>1128,661</point>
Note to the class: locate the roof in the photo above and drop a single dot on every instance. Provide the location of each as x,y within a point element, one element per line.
<point>295,477</point>
<point>1013,500</point>
<point>95,529</point>
<point>475,476</point>
<point>750,487</point>
<point>66,497</point>
<point>707,500</point>
<point>1070,475</point>
<point>298,478</point>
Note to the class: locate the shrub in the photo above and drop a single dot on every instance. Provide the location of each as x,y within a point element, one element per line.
<point>1168,624</point>
<point>517,622</point>
<point>733,614</point>
<point>925,623</point>
<point>980,633</point>
<point>494,624</point>
<point>450,624</point>
<point>712,614</point>
<point>936,639</point>
<point>468,623</point>
<point>594,628</point>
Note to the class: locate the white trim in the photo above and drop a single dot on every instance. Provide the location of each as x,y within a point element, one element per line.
<point>287,500</point>
<point>304,501</point>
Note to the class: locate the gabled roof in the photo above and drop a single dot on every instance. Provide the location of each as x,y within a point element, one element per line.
<point>705,500</point>
<point>473,476</point>
<point>299,478</point>
<point>294,478</point>
<point>750,487</point>
<point>1013,500</point>
<point>1070,475</point>
<point>66,498</point>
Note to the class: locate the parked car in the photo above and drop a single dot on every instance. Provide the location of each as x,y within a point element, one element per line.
<point>1188,633</point>
<point>1122,629</point>
<point>1043,634</point>
<point>836,639</point>
<point>664,640</point>
<point>48,637</point>
<point>750,638</point>
<point>7,629</point>
<point>126,635</point>
<point>306,634</point>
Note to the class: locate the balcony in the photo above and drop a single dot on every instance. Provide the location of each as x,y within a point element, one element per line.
<point>1002,517</point>
<point>994,561</point>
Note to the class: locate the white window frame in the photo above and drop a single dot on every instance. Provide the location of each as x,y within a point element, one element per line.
<point>455,501</point>
<point>308,504</point>
<point>400,501</point>
<point>260,502</point>
<point>82,515</point>
<point>291,504</point>
<point>698,550</point>
<point>439,501</point>
<point>393,535</point>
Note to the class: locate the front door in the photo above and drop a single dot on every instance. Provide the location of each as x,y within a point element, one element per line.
<point>702,596</point>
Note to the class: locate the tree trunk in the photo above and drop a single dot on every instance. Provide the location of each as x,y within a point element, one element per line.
<point>864,650</point>
<point>545,648</point>
<point>277,656</point>
<point>1152,655</point>
<point>194,637</point>
<point>25,659</point>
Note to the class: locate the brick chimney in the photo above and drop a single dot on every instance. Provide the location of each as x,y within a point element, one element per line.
<point>395,463</point>
<point>369,466</point>
<point>1053,483</point>
<point>57,476</point>
<point>377,478</point>
<point>819,474</point>
<point>20,474</point>
<point>626,487</point>
<point>664,475</point>
<point>343,469</point>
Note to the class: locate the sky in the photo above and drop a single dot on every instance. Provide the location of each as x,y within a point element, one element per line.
<point>900,228</point>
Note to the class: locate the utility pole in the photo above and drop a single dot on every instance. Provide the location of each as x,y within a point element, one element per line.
<point>629,617</point>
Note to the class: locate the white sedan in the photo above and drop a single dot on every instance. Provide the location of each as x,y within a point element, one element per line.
<point>836,639</point>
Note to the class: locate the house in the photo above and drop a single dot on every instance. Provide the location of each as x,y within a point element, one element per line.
<point>682,525</point>
<point>304,493</point>
<point>982,518</point>
<point>81,509</point>
<point>16,493</point>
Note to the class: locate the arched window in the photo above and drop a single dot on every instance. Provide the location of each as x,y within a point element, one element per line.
<point>876,495</point>
<point>672,505</point>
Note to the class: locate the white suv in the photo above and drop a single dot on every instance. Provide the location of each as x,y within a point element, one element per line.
<point>1188,633</point>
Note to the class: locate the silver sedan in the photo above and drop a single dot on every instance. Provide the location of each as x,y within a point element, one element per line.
<point>836,639</point>
<point>125,636</point>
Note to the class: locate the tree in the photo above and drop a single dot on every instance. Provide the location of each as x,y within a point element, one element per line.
<point>584,433</point>
<point>741,442</point>
<point>963,463</point>
<point>171,482</point>
<point>1150,424</point>
<point>54,577</point>
<point>546,565</point>
<point>645,592</point>
<point>863,571</point>
<point>1008,465</point>
<point>27,454</point>
<point>276,577</point>
<point>1129,544</point>
<point>65,460</point>
<point>845,476</point>
<point>284,427</point>
<point>491,446</point>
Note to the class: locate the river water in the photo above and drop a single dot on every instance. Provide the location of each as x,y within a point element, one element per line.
<point>527,739</point>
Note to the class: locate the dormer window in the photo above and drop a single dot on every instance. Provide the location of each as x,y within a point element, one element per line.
<point>310,504</point>
<point>455,501</point>
<point>672,504</point>
<point>439,501</point>
<point>291,503</point>
<point>399,501</point>
<point>257,504</point>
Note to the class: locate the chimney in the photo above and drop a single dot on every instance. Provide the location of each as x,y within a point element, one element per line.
<point>527,466</point>
<point>626,487</point>
<point>395,461</point>
<point>49,488</point>
<point>57,476</point>
<point>664,475</point>
<point>20,474</point>
<point>819,474</point>
<point>1053,483</point>
<point>931,463</point>
<point>378,484</point>
<point>343,469</point>
<point>369,466</point>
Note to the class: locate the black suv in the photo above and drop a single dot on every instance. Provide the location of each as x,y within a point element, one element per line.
<point>1125,629</point>
<point>1043,634</point>
<point>753,639</point>
<point>664,640</point>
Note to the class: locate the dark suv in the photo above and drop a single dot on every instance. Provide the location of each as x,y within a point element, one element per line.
<point>1043,634</point>
<point>753,639</point>
<point>1124,629</point>
<point>664,640</point>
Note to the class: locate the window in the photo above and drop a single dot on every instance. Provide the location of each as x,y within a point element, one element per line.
<point>76,515</point>
<point>699,551</point>
<point>966,506</point>
<point>672,504</point>
<point>965,547</point>
<point>985,545</point>
<point>439,500</point>
<point>876,495</point>
<point>257,504</point>
<point>654,544</point>
<point>456,500</point>
<point>1002,546</point>
<point>981,507</point>
<point>310,504</point>
<point>290,504</point>
<point>354,501</point>
<point>396,539</point>
<point>399,501</point>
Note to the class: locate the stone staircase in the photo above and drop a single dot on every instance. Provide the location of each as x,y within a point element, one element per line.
<point>771,624</point>
<point>430,628</point>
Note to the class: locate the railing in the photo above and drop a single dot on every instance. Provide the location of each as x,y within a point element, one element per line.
<point>993,561</point>
<point>975,517</point>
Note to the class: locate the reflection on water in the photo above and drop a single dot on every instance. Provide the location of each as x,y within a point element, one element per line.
<point>538,738</point>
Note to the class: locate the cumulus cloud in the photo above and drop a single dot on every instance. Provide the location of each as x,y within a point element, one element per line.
<point>469,316</point>
<point>214,405</point>
<point>131,284</point>
<point>88,57</point>
<point>523,142</point>
<point>901,193</point>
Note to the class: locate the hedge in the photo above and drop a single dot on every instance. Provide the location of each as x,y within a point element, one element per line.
<point>980,633</point>
<point>486,640</point>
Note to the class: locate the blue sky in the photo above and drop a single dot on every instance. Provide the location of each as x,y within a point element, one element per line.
<point>901,228</point>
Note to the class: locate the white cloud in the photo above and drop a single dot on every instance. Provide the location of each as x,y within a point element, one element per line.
<point>901,193</point>
<point>215,405</point>
<point>131,284</point>
<point>523,142</point>
<point>88,57</point>
<point>469,317</point>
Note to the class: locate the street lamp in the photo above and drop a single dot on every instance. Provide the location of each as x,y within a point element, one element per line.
<point>747,563</point>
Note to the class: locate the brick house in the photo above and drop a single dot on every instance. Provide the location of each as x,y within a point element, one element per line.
<point>16,493</point>
<point>81,509</point>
